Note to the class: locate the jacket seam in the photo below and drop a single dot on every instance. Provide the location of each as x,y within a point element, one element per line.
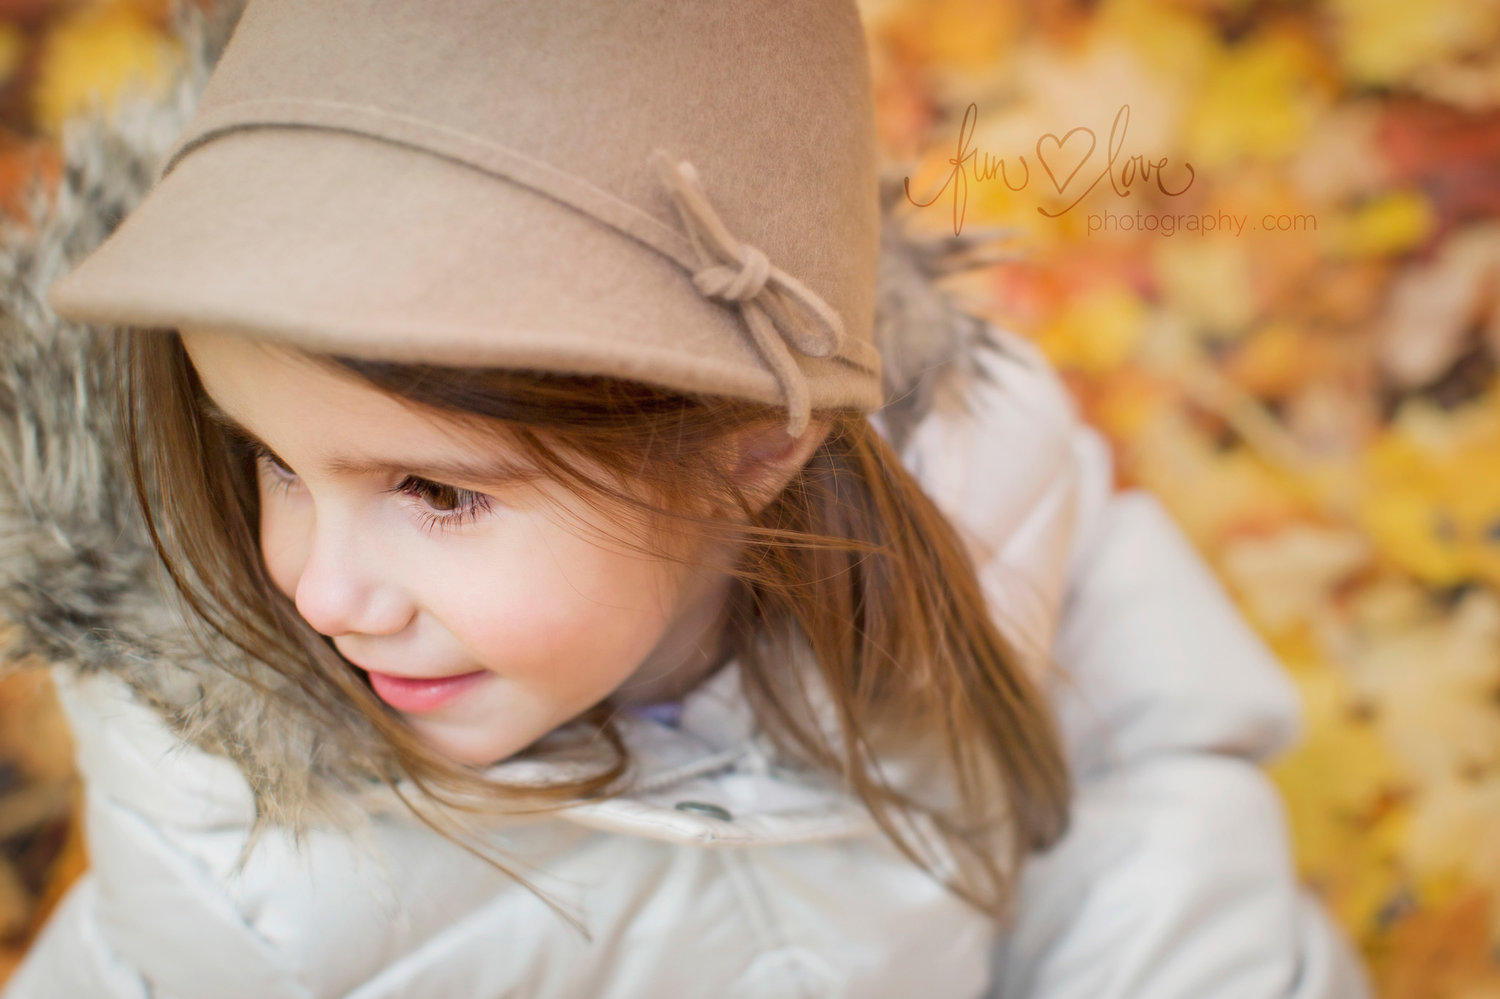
<point>752,896</point>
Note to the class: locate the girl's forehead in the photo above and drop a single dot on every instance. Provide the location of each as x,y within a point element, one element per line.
<point>246,367</point>
<point>265,388</point>
<point>301,406</point>
<point>218,351</point>
<point>332,425</point>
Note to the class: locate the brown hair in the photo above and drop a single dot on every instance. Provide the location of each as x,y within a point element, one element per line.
<point>850,568</point>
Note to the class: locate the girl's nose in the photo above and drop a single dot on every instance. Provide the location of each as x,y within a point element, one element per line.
<point>345,589</point>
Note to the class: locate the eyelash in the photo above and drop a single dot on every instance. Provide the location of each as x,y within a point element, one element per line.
<point>469,505</point>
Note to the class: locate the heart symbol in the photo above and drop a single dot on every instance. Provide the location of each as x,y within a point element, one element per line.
<point>1059,156</point>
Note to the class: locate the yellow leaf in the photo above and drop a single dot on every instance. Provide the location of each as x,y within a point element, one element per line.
<point>1256,102</point>
<point>1288,575</point>
<point>1386,41</point>
<point>953,34</point>
<point>1126,401</point>
<point>1175,43</point>
<point>1382,226</point>
<point>1207,283</point>
<point>1097,332</point>
<point>1457,654</point>
<point>1432,493</point>
<point>1271,362</point>
<point>97,58</point>
<point>1212,494</point>
<point>1347,831</point>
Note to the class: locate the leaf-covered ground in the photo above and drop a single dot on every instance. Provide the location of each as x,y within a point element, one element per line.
<point>1261,239</point>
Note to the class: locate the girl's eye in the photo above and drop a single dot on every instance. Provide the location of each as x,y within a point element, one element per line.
<point>281,478</point>
<point>443,506</point>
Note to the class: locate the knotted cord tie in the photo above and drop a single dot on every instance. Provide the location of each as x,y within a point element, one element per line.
<point>782,313</point>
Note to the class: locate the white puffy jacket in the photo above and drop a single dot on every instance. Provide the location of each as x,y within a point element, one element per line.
<point>1175,881</point>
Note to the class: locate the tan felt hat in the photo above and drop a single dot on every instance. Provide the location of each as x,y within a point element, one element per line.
<point>678,192</point>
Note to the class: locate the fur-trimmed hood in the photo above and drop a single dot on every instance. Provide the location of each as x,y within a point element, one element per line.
<point>80,585</point>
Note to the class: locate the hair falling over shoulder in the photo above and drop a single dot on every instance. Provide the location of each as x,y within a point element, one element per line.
<point>851,569</point>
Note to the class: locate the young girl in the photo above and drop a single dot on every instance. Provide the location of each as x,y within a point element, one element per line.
<point>568,608</point>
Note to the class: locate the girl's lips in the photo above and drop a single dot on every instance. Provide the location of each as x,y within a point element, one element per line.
<point>415,696</point>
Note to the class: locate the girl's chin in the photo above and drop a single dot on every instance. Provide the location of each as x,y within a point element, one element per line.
<point>479,739</point>
<point>496,721</point>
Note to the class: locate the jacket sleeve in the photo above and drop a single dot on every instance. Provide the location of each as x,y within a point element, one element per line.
<point>161,823</point>
<point>1176,879</point>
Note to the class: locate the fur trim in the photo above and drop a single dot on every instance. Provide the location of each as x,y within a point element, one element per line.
<point>929,343</point>
<point>80,585</point>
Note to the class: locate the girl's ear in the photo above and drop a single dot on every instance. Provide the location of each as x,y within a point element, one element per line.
<point>764,458</point>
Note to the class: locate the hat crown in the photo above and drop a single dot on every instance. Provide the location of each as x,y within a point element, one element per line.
<point>771,102</point>
<point>678,193</point>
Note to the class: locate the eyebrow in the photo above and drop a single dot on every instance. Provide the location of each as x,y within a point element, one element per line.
<point>497,471</point>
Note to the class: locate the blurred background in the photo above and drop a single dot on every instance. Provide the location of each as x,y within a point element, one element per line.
<point>1261,241</point>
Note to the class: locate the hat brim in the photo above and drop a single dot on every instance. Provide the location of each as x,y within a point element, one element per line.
<point>341,243</point>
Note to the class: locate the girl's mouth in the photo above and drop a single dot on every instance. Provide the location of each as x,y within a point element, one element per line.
<point>418,695</point>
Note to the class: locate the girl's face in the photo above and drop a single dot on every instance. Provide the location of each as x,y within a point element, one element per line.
<point>479,612</point>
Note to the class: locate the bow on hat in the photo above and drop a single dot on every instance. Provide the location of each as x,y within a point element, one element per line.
<point>782,313</point>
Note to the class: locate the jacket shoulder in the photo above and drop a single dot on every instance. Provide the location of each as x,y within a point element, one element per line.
<point>1005,456</point>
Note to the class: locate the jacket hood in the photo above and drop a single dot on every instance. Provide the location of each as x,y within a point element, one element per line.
<point>80,584</point>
